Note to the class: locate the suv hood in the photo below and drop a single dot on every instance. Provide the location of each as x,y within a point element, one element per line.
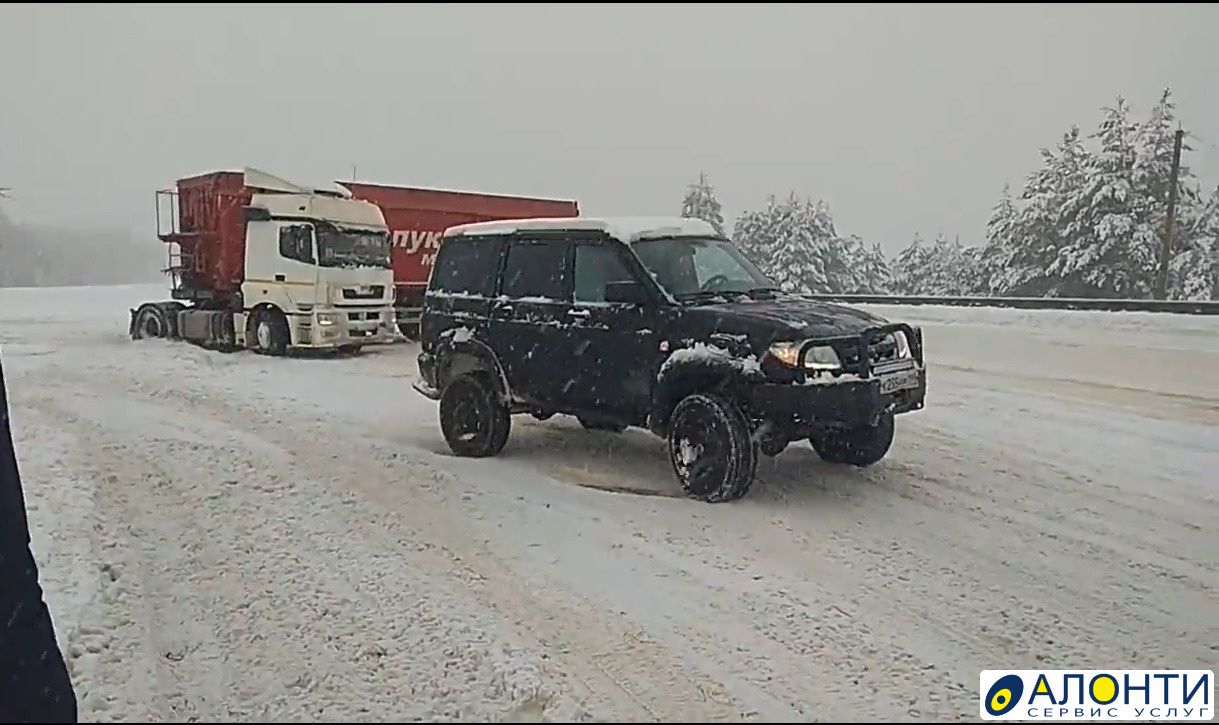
<point>783,318</point>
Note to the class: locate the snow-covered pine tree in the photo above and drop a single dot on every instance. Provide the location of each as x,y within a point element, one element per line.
<point>1022,268</point>
<point>1193,273</point>
<point>826,271</point>
<point>1001,244</point>
<point>876,272</point>
<point>1151,178</point>
<point>754,234</point>
<point>1103,254</point>
<point>910,268</point>
<point>849,265</point>
<point>797,264</point>
<point>700,203</point>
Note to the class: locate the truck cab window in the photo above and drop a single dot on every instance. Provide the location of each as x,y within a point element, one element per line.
<point>597,266</point>
<point>536,269</point>
<point>466,266</point>
<point>296,242</point>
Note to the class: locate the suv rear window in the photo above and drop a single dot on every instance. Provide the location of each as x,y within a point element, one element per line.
<point>466,266</point>
<point>536,269</point>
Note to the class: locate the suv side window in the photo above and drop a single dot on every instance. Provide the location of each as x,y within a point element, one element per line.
<point>466,265</point>
<point>596,266</point>
<point>536,268</point>
<point>296,242</point>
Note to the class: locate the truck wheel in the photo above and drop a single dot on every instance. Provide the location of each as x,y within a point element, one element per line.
<point>150,322</point>
<point>474,422</point>
<point>860,446</point>
<point>710,448</point>
<point>270,332</point>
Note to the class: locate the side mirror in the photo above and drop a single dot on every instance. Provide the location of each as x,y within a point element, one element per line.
<point>257,214</point>
<point>628,292</point>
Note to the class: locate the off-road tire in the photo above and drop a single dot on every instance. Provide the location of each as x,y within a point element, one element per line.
<point>862,446</point>
<point>711,427</point>
<point>474,422</point>
<point>274,338</point>
<point>605,425</point>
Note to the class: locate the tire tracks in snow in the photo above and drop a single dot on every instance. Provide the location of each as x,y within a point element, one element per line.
<point>625,660</point>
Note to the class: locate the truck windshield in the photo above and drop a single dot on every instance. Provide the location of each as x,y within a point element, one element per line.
<point>351,247</point>
<point>689,267</point>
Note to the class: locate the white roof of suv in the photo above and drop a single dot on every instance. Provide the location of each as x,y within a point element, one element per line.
<point>625,229</point>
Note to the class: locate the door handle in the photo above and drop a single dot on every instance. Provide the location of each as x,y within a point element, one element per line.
<point>279,278</point>
<point>578,313</point>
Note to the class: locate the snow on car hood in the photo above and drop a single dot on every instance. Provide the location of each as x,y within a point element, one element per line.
<point>786,316</point>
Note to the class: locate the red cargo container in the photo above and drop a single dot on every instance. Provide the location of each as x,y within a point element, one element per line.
<point>206,220</point>
<point>417,218</point>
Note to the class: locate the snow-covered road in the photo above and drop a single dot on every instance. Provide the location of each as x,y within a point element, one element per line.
<point>236,537</point>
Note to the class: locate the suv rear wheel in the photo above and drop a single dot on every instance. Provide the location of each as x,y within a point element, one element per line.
<point>710,448</point>
<point>860,446</point>
<point>475,424</point>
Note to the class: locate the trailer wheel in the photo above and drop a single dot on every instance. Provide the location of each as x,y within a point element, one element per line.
<point>149,322</point>
<point>270,332</point>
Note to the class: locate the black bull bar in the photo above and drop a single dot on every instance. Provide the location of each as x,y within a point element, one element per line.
<point>861,342</point>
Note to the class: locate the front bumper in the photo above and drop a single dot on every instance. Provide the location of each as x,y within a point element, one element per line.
<point>342,327</point>
<point>846,404</point>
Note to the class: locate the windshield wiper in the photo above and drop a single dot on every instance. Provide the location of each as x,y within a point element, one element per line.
<point>702,295</point>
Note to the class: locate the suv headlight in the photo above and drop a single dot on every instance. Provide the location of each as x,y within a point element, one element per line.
<point>819,357</point>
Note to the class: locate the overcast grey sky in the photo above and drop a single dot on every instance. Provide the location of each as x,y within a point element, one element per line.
<point>901,117</point>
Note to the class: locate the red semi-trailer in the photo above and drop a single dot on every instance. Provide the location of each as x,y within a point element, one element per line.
<point>417,218</point>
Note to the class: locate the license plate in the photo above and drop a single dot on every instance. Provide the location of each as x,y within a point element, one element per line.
<point>899,381</point>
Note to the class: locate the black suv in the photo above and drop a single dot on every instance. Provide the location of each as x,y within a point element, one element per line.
<point>661,324</point>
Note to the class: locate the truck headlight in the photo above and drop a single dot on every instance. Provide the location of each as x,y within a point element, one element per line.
<point>819,357</point>
<point>903,345</point>
<point>325,319</point>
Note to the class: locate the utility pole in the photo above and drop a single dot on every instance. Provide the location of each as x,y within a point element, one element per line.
<point>1161,290</point>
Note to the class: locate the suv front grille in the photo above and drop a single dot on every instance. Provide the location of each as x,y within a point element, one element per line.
<point>881,349</point>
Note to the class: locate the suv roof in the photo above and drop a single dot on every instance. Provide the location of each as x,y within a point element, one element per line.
<point>625,229</point>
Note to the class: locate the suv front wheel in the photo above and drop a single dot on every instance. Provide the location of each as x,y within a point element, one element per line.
<point>711,449</point>
<point>474,422</point>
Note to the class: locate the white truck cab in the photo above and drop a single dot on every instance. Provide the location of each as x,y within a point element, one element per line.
<point>323,259</point>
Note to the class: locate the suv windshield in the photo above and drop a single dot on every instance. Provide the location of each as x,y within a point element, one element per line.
<point>351,247</point>
<point>687,267</point>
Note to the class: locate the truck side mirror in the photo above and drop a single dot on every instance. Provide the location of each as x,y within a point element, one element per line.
<point>257,214</point>
<point>626,292</point>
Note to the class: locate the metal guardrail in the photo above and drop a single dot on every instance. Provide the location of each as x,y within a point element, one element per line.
<point>1186,307</point>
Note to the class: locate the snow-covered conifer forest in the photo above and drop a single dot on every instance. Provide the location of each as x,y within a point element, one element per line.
<point>1088,222</point>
